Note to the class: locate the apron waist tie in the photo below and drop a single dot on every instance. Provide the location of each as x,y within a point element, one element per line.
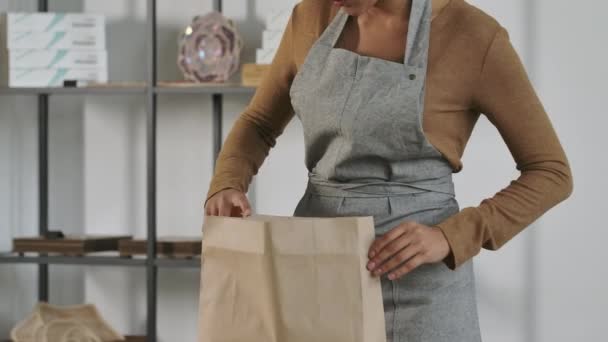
<point>326,187</point>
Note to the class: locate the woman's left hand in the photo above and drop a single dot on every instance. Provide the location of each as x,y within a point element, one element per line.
<point>406,247</point>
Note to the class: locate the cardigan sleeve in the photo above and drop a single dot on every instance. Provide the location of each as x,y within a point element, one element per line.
<point>256,129</point>
<point>505,95</point>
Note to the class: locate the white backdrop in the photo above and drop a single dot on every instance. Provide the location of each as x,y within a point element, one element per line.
<point>547,284</point>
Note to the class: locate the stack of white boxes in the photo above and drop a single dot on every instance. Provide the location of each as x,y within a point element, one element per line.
<point>46,49</point>
<point>276,22</point>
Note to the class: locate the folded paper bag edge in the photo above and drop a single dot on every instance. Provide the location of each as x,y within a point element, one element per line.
<point>233,233</point>
<point>371,315</point>
<point>249,234</point>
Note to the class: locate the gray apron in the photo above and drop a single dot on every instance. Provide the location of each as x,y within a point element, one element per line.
<point>367,155</point>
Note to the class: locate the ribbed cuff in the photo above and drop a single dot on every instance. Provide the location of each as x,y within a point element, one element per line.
<point>463,235</point>
<point>214,189</point>
<point>449,260</point>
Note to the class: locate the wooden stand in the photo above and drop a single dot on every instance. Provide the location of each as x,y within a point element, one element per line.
<point>127,339</point>
<point>134,339</point>
<point>253,74</point>
<point>169,247</point>
<point>69,245</point>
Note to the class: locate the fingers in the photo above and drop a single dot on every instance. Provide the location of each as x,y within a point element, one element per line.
<point>210,204</point>
<point>385,239</point>
<point>210,208</point>
<point>406,252</point>
<point>408,266</point>
<point>224,208</point>
<point>390,249</point>
<point>228,203</point>
<point>399,250</point>
<point>242,202</point>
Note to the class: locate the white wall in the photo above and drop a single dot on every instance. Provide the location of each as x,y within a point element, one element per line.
<point>17,203</point>
<point>502,287</point>
<point>526,290</point>
<point>572,75</point>
<point>19,185</point>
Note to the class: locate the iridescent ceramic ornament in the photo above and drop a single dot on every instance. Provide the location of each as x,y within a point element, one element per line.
<point>209,49</point>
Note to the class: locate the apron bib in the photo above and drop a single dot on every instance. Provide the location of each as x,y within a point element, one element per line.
<point>367,155</point>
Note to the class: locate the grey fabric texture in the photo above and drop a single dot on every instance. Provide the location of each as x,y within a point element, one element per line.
<point>366,154</point>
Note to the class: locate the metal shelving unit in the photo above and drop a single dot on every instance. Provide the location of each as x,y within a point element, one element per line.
<point>211,89</point>
<point>151,89</point>
<point>74,91</point>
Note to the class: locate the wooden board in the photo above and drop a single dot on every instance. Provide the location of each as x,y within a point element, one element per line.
<point>190,84</point>
<point>170,247</point>
<point>253,74</point>
<point>134,339</point>
<point>116,85</point>
<point>127,339</point>
<point>69,245</point>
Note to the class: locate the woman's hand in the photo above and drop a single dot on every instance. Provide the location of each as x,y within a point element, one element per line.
<point>405,247</point>
<point>228,202</point>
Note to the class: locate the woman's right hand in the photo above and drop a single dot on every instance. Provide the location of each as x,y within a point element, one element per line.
<point>228,202</point>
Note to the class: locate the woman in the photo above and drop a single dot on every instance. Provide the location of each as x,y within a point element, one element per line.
<point>388,92</point>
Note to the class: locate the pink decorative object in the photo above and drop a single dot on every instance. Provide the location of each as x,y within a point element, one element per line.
<point>209,49</point>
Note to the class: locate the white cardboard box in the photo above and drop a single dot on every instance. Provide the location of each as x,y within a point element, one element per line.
<point>55,40</point>
<point>271,39</point>
<point>49,77</point>
<point>264,56</point>
<point>14,22</point>
<point>278,19</point>
<point>55,58</point>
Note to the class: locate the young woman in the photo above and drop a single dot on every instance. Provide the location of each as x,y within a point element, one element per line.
<point>388,93</point>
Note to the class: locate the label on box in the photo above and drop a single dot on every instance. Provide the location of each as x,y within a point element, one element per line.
<point>56,40</point>
<point>50,22</point>
<point>265,56</point>
<point>51,77</point>
<point>271,39</point>
<point>278,19</point>
<point>252,75</point>
<point>60,58</point>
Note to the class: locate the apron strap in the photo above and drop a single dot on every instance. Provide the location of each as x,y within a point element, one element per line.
<point>332,31</point>
<point>419,26</point>
<point>417,42</point>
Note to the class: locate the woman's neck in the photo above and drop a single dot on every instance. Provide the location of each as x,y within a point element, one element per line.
<point>393,7</point>
<point>401,7</point>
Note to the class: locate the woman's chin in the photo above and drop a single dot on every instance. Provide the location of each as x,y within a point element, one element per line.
<point>351,8</point>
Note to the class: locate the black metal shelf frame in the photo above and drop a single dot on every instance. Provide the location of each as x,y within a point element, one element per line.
<point>72,260</point>
<point>74,91</point>
<point>102,260</point>
<point>151,262</point>
<point>130,90</point>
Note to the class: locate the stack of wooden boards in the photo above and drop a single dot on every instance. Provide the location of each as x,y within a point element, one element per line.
<point>173,247</point>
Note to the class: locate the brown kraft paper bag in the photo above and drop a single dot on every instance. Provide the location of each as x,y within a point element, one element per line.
<point>269,278</point>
